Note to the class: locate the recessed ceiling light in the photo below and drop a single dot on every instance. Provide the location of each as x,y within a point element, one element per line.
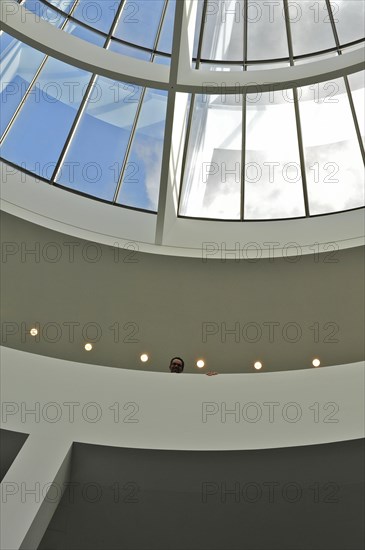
<point>258,365</point>
<point>88,347</point>
<point>200,364</point>
<point>144,357</point>
<point>316,362</point>
<point>34,331</point>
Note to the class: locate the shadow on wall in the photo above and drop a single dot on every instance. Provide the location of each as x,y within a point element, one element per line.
<point>288,498</point>
<point>10,445</point>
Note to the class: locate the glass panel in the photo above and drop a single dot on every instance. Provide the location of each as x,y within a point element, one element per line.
<point>349,17</point>
<point>162,60</point>
<point>64,5</point>
<point>311,28</point>
<point>199,15</point>
<point>220,67</point>
<point>266,30</point>
<point>43,11</point>
<point>5,41</point>
<point>141,182</point>
<point>139,22</point>
<point>115,46</point>
<point>263,66</point>
<point>353,48</point>
<point>98,14</point>
<point>333,160</point>
<point>223,31</point>
<point>212,182</point>
<point>19,64</point>
<point>165,41</point>
<point>357,85</point>
<point>85,34</point>
<point>273,180</point>
<point>314,58</point>
<point>39,132</point>
<point>96,153</point>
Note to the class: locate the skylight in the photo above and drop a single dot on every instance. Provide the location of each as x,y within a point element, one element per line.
<point>271,154</point>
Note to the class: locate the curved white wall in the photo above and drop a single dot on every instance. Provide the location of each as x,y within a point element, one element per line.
<point>186,412</point>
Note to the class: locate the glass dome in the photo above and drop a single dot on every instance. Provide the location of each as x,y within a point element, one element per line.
<point>257,152</point>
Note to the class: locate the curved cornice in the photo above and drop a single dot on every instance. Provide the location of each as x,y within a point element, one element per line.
<point>38,202</point>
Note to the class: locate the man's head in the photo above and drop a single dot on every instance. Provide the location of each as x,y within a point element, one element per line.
<point>176,364</point>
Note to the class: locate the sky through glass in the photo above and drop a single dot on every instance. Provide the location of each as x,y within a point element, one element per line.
<point>287,154</point>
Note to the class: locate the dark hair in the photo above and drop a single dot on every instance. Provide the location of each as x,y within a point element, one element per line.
<point>179,358</point>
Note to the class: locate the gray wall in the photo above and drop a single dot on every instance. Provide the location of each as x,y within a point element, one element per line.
<point>301,498</point>
<point>10,445</point>
<point>161,305</point>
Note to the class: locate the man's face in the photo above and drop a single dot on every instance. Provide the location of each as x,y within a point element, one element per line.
<point>176,365</point>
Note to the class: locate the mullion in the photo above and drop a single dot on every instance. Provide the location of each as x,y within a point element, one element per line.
<point>129,146</point>
<point>333,25</point>
<point>246,61</point>
<point>192,103</point>
<point>138,111</point>
<point>243,156</point>
<point>245,34</point>
<point>301,152</point>
<point>82,106</point>
<point>159,30</point>
<point>23,100</point>
<point>201,35</point>
<point>354,116</point>
<point>297,115</point>
<point>186,146</point>
<point>115,23</point>
<point>74,6</point>
<point>244,114</point>
<point>277,59</point>
<point>73,19</point>
<point>347,85</point>
<point>72,131</point>
<point>54,8</point>
<point>140,102</point>
<point>288,32</point>
<point>138,47</point>
<point>28,90</point>
<point>162,205</point>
